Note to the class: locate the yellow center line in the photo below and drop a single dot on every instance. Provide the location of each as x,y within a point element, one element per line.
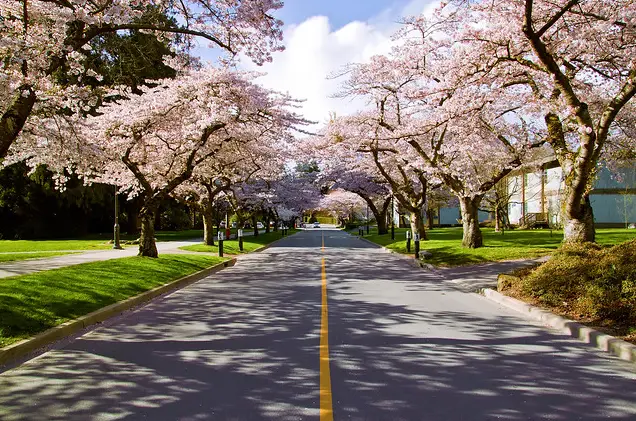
<point>326,406</point>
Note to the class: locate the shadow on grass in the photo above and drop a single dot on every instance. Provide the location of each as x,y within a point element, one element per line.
<point>33,303</point>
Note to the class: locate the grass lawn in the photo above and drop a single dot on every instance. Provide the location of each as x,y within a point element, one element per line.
<point>250,243</point>
<point>12,257</point>
<point>445,244</point>
<point>32,303</point>
<point>91,242</point>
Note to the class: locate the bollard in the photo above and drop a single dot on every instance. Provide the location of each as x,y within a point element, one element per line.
<point>240,238</point>
<point>417,246</point>
<point>221,237</point>
<point>408,241</point>
<point>361,232</point>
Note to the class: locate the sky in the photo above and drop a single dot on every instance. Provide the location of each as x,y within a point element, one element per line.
<point>320,37</point>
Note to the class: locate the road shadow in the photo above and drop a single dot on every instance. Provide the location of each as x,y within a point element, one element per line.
<point>243,345</point>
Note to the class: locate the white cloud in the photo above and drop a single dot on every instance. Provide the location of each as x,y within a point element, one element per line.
<point>314,51</point>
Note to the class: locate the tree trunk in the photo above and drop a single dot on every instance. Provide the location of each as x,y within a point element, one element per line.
<point>13,119</point>
<point>417,225</point>
<point>497,217</point>
<point>254,226</point>
<point>132,211</point>
<point>208,226</point>
<point>578,226</point>
<point>472,237</point>
<point>266,221</point>
<point>382,227</point>
<point>147,245</point>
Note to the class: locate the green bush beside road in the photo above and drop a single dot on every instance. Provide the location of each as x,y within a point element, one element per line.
<point>585,282</point>
<point>32,303</point>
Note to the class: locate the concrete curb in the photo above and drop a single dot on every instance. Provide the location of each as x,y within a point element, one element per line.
<point>621,349</point>
<point>27,346</point>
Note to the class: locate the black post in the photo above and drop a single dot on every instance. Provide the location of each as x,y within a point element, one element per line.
<point>361,231</point>
<point>221,236</point>
<point>116,244</point>
<point>392,218</point>
<point>417,246</point>
<point>408,244</point>
<point>240,238</point>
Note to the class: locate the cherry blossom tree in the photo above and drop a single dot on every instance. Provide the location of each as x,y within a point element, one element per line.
<point>400,168</point>
<point>40,38</point>
<point>569,65</point>
<point>420,107</point>
<point>358,174</point>
<point>150,144</point>
<point>343,205</point>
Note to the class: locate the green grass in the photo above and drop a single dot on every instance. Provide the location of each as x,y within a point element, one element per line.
<point>10,246</point>
<point>445,244</point>
<point>12,257</point>
<point>32,303</point>
<point>91,242</point>
<point>250,243</point>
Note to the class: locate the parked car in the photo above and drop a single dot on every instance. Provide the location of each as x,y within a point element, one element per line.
<point>233,224</point>
<point>260,225</point>
<point>316,224</point>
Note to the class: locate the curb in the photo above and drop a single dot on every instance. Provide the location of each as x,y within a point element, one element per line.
<point>27,346</point>
<point>621,349</point>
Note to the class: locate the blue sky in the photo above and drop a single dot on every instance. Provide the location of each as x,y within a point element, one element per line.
<point>339,12</point>
<point>322,36</point>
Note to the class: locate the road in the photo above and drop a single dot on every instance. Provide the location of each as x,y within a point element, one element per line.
<point>284,336</point>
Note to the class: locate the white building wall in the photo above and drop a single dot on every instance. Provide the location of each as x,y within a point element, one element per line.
<point>514,190</point>
<point>533,192</point>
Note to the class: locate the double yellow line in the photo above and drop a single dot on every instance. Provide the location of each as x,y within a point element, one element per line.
<point>326,405</point>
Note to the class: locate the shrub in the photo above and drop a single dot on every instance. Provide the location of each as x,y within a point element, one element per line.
<point>588,279</point>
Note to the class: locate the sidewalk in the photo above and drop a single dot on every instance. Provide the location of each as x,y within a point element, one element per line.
<point>474,278</point>
<point>22,267</point>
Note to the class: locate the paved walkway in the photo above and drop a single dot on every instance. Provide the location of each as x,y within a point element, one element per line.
<point>22,267</point>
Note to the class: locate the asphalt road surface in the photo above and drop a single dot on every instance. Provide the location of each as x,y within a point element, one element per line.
<point>344,332</point>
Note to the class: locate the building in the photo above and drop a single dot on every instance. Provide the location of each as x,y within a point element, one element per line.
<point>535,195</point>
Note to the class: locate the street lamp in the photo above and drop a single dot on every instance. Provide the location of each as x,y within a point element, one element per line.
<point>116,244</point>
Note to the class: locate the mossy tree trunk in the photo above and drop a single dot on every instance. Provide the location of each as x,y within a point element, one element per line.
<point>147,244</point>
<point>469,206</point>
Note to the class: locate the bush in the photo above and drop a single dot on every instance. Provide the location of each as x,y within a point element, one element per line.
<point>590,280</point>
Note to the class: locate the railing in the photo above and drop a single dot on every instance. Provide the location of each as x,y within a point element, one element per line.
<point>535,220</point>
